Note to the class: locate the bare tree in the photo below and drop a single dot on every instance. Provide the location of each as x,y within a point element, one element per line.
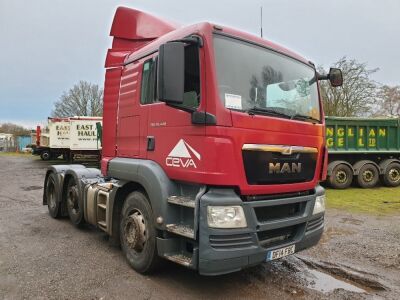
<point>83,99</point>
<point>13,129</point>
<point>356,95</point>
<point>389,101</point>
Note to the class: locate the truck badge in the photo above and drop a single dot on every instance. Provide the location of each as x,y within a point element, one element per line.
<point>277,168</point>
<point>181,156</point>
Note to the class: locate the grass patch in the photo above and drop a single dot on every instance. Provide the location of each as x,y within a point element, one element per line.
<point>376,201</point>
<point>15,154</point>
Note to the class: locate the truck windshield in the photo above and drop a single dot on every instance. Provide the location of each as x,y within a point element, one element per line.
<point>260,81</point>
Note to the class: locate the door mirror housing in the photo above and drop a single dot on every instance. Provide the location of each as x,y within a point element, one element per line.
<point>335,77</point>
<point>171,72</point>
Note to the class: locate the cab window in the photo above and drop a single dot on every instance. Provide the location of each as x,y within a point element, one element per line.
<point>191,96</point>
<point>149,82</point>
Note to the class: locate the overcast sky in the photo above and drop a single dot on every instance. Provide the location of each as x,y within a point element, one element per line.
<point>46,46</point>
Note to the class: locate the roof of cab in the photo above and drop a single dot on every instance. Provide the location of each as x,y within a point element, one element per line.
<point>137,33</point>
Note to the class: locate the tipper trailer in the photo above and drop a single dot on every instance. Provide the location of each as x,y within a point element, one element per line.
<point>213,149</point>
<point>364,151</point>
<point>69,137</point>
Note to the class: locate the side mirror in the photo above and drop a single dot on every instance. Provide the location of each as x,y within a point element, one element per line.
<point>335,77</point>
<point>171,72</point>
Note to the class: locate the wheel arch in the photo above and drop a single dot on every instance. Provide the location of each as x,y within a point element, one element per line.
<point>359,164</point>
<point>385,163</point>
<point>332,165</point>
<point>147,176</point>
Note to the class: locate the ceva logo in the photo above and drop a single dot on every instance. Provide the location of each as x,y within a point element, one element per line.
<point>180,156</point>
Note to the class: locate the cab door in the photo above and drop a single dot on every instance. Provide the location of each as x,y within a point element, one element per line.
<point>178,143</point>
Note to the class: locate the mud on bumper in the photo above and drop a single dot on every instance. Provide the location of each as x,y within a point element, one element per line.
<point>271,224</point>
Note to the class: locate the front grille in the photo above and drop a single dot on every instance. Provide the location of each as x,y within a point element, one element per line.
<point>314,224</point>
<point>277,236</point>
<point>233,241</point>
<point>267,167</point>
<point>270,213</point>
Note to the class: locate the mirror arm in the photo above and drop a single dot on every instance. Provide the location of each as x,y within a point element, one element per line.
<point>322,76</point>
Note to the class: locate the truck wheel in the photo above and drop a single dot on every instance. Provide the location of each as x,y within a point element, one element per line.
<point>74,206</point>
<point>51,196</point>
<point>368,176</point>
<point>45,155</point>
<point>138,233</point>
<point>392,175</point>
<point>341,177</point>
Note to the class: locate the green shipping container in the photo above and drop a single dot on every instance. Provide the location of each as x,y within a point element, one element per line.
<point>356,135</point>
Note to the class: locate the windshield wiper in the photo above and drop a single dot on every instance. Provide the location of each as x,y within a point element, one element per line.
<point>267,111</point>
<point>304,118</point>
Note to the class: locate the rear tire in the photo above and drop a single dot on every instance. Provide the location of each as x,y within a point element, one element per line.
<point>368,176</point>
<point>391,177</point>
<point>138,233</point>
<point>341,177</point>
<point>51,191</point>
<point>45,155</point>
<point>74,202</point>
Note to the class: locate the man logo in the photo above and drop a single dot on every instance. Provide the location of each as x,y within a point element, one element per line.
<point>180,156</point>
<point>285,168</point>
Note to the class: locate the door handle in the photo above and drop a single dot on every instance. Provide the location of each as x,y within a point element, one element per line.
<point>151,143</point>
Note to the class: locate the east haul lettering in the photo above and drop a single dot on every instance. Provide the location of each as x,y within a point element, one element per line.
<point>62,130</point>
<point>85,130</point>
<point>357,137</point>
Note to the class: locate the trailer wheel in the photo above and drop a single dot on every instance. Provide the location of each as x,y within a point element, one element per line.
<point>138,233</point>
<point>45,155</point>
<point>74,206</point>
<point>341,177</point>
<point>53,205</point>
<point>368,176</point>
<point>391,177</point>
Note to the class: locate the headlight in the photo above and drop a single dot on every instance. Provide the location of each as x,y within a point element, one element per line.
<point>226,217</point>
<point>319,205</point>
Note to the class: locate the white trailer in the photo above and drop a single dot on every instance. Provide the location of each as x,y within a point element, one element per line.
<point>59,133</point>
<point>70,137</point>
<point>83,133</point>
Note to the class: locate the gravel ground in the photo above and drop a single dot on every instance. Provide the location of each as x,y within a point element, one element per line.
<point>44,258</point>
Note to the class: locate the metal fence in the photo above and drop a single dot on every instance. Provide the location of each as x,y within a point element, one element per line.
<point>7,143</point>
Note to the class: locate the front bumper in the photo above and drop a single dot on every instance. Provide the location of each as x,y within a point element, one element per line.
<point>272,224</point>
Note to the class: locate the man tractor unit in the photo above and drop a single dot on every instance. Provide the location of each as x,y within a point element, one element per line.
<point>213,148</point>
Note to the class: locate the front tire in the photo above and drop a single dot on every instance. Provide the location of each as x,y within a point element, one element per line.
<point>138,233</point>
<point>45,155</point>
<point>341,177</point>
<point>368,176</point>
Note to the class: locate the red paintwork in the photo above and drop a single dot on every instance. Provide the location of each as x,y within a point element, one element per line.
<point>38,131</point>
<point>127,123</point>
<point>133,29</point>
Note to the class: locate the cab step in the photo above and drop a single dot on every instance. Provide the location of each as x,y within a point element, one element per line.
<point>182,201</point>
<point>181,229</point>
<point>181,259</point>
<point>102,225</point>
<point>103,206</point>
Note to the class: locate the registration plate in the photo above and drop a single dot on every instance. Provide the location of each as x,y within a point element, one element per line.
<point>281,252</point>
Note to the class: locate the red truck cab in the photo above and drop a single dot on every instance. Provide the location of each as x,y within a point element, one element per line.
<point>220,132</point>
